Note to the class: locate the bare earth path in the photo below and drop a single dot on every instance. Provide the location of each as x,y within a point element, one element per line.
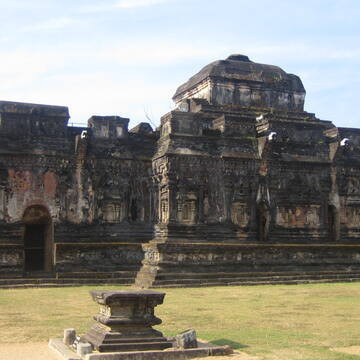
<point>27,351</point>
<point>40,351</point>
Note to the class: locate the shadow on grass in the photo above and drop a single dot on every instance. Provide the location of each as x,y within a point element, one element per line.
<point>232,344</point>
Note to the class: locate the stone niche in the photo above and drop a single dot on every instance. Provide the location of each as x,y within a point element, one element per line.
<point>164,206</point>
<point>114,212</point>
<point>187,208</point>
<point>239,214</point>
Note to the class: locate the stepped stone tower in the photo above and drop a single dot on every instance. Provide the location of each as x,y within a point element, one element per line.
<point>249,183</point>
<point>238,181</point>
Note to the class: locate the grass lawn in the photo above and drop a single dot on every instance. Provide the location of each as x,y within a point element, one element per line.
<point>272,322</point>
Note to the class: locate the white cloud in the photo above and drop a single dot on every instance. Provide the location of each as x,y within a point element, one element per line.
<point>20,65</point>
<point>117,78</point>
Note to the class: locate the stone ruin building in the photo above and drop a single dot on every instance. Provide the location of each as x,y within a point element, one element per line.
<point>237,184</point>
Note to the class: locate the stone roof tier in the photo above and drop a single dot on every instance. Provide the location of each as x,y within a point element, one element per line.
<point>239,81</point>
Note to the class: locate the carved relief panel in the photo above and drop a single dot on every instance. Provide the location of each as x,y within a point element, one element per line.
<point>353,186</point>
<point>299,216</point>
<point>351,216</point>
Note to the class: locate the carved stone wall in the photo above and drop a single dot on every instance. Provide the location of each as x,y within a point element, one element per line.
<point>96,178</point>
<point>226,168</point>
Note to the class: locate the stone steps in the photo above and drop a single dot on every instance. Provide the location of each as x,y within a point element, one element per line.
<point>69,279</point>
<point>28,283</point>
<point>254,275</point>
<point>255,282</point>
<point>172,280</point>
<point>97,275</point>
<point>216,279</point>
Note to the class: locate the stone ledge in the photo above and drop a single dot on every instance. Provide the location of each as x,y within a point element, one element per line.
<point>205,350</point>
<point>62,350</point>
<point>163,355</point>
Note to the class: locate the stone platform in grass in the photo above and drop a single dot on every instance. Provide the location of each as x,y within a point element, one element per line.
<point>203,350</point>
<point>123,331</point>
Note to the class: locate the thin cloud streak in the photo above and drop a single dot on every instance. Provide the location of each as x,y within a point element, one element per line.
<point>123,4</point>
<point>304,52</point>
<point>26,65</point>
<point>126,4</point>
<point>52,24</point>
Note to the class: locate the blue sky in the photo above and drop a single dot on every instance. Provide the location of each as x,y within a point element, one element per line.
<point>127,57</point>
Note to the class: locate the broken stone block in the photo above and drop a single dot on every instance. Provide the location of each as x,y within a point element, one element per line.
<point>186,339</point>
<point>83,349</point>
<point>69,336</point>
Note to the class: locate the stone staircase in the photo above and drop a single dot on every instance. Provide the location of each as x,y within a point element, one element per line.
<point>69,279</point>
<point>178,280</point>
<point>171,280</point>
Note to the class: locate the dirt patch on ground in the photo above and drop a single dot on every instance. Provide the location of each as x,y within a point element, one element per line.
<point>351,350</point>
<point>235,356</point>
<point>27,351</point>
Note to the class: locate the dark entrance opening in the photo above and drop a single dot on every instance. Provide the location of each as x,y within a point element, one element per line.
<point>34,247</point>
<point>263,221</point>
<point>133,210</point>
<point>38,243</point>
<point>333,223</point>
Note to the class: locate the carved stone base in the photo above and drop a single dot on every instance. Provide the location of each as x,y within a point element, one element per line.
<point>131,339</point>
<point>125,322</point>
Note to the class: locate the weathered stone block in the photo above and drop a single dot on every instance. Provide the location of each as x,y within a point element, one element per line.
<point>83,349</point>
<point>187,339</point>
<point>69,336</point>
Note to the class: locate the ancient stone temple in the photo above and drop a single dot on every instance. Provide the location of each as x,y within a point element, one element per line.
<point>237,182</point>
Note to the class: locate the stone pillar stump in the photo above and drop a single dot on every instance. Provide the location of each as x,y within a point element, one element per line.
<point>125,320</point>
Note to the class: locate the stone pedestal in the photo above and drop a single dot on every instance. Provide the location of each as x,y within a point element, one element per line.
<point>125,320</point>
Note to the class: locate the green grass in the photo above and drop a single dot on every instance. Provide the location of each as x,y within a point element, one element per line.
<point>272,322</point>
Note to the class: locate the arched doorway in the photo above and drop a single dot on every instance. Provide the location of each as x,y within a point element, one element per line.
<point>37,239</point>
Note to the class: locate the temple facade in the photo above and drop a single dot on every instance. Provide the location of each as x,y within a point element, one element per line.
<point>238,182</point>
